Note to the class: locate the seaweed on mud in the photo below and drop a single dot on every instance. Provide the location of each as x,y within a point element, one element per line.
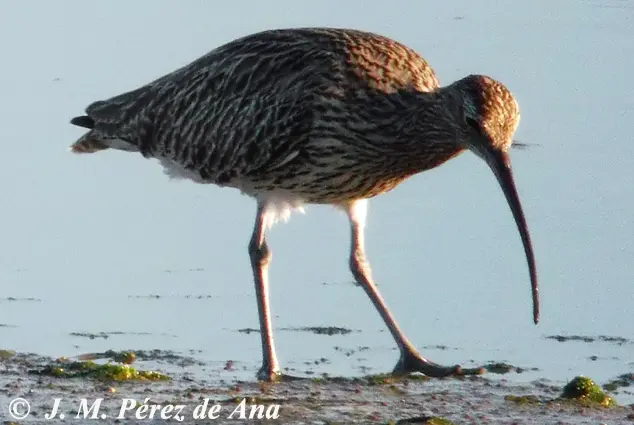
<point>128,357</point>
<point>329,400</point>
<point>621,381</point>
<point>523,400</point>
<point>582,338</point>
<point>100,372</point>
<point>125,357</point>
<point>585,391</point>
<point>502,368</point>
<point>7,354</point>
<point>580,390</point>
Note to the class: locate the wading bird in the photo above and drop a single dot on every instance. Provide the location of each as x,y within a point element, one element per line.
<point>313,116</point>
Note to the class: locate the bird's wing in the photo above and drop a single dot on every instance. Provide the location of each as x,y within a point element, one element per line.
<point>242,107</point>
<point>249,105</point>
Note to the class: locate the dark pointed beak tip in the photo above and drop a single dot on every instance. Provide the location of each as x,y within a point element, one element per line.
<point>500,163</point>
<point>535,291</point>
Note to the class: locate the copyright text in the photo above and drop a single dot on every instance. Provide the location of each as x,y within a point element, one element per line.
<point>129,408</point>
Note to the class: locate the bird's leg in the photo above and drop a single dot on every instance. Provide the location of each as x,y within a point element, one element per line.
<point>260,259</point>
<point>410,360</point>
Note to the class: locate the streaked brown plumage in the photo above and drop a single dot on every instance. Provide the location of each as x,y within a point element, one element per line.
<point>314,115</point>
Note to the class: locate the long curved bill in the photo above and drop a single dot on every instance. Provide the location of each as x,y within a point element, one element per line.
<point>500,164</point>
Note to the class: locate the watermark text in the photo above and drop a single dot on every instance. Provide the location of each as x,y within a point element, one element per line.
<point>128,408</point>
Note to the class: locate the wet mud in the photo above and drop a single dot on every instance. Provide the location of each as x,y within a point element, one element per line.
<point>130,390</point>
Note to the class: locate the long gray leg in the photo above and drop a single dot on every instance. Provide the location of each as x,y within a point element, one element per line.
<point>260,259</point>
<point>410,359</point>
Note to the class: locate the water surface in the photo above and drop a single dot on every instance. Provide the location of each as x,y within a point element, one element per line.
<point>90,237</point>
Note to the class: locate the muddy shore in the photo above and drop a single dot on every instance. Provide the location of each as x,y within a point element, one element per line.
<point>141,399</point>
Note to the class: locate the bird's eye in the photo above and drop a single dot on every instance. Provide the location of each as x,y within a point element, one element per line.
<point>473,124</point>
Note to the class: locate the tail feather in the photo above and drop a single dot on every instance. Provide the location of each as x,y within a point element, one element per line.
<point>88,143</point>
<point>97,140</point>
<point>83,121</point>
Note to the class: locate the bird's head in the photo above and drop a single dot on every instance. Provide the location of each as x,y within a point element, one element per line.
<point>490,114</point>
<point>488,117</point>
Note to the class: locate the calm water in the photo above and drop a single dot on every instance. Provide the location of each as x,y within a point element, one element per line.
<point>85,236</point>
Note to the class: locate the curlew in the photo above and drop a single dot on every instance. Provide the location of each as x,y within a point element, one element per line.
<point>313,116</point>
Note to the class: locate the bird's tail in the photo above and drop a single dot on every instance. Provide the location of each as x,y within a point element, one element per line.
<point>87,143</point>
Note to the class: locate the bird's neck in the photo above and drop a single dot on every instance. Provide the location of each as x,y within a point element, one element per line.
<point>428,119</point>
<point>429,132</point>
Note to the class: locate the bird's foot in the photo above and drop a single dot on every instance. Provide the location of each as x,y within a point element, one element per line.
<point>268,373</point>
<point>275,376</point>
<point>414,362</point>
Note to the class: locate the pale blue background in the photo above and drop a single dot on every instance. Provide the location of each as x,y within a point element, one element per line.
<point>83,233</point>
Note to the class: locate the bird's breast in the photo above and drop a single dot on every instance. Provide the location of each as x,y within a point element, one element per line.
<point>330,174</point>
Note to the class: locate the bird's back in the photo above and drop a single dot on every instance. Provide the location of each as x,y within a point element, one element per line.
<point>249,106</point>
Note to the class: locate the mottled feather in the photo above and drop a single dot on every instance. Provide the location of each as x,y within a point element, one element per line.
<point>274,105</point>
<point>312,115</point>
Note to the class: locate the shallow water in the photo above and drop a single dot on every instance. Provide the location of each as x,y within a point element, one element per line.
<point>91,237</point>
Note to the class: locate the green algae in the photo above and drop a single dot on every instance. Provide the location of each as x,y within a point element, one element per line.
<point>585,391</point>
<point>502,368</point>
<point>580,390</point>
<point>125,357</point>
<point>129,357</point>
<point>438,421</point>
<point>100,372</point>
<point>6,354</point>
<point>523,400</point>
<point>381,379</point>
<point>499,368</point>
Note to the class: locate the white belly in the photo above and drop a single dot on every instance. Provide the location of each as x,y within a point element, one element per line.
<point>279,204</point>
<point>177,171</point>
